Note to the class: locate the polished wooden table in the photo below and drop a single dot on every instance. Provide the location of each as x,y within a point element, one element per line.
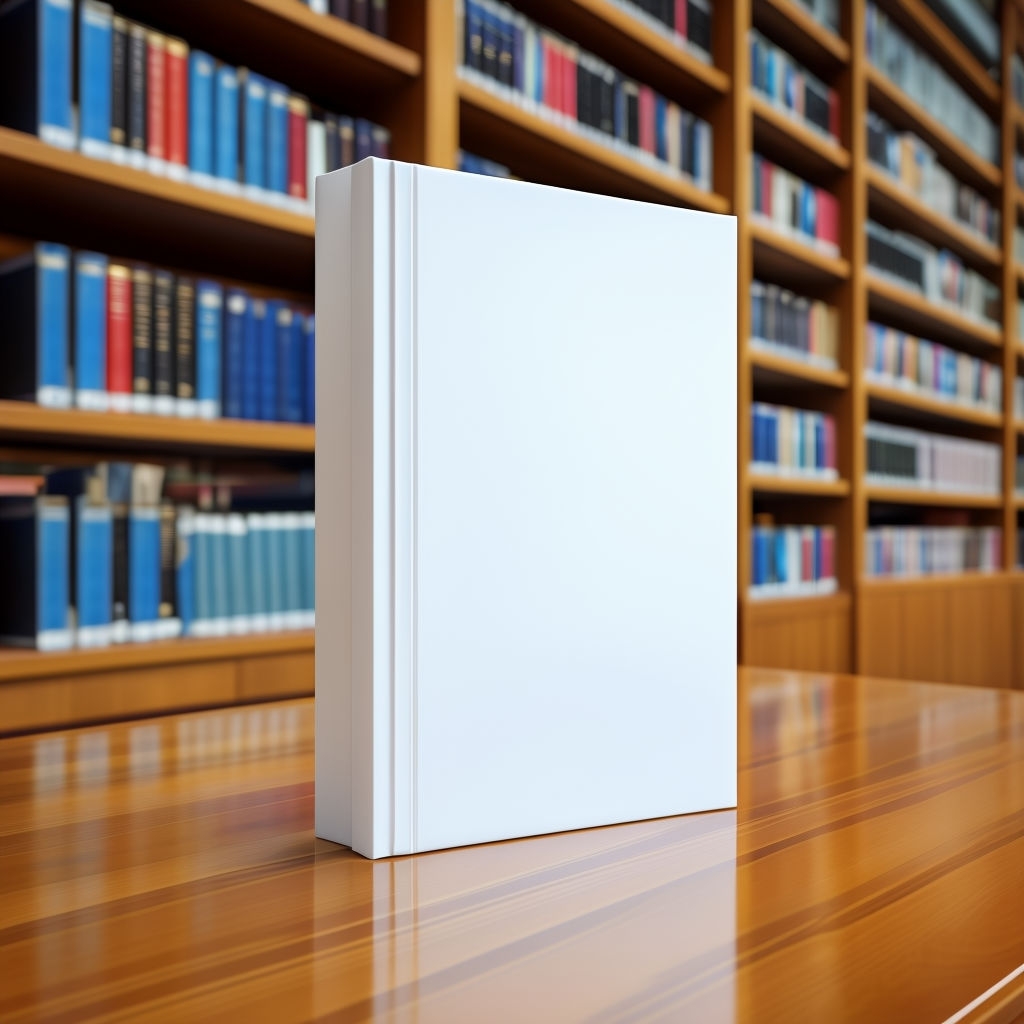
<point>874,871</point>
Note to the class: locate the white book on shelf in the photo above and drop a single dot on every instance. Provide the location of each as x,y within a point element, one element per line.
<point>526,509</point>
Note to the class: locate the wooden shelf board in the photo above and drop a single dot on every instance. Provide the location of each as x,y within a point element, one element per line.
<point>773,363</point>
<point>631,45</point>
<point>799,33</point>
<point>929,317</point>
<point>894,396</point>
<point>960,579</point>
<point>560,156</point>
<point>17,664</point>
<point>896,106</point>
<point>763,484</point>
<point>786,607</point>
<point>26,422</point>
<point>797,146</point>
<point>72,197</point>
<point>914,496</point>
<point>900,208</point>
<point>777,255</point>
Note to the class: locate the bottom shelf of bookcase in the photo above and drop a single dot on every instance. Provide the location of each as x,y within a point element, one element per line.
<point>63,688</point>
<point>805,633</point>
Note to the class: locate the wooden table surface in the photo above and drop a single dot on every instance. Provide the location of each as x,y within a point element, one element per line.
<point>874,871</point>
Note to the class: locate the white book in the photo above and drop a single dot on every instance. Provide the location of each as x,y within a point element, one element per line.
<point>526,510</point>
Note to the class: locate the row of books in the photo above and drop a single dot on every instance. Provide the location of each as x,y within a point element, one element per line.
<point>1018,397</point>
<point>688,22</point>
<point>901,360</point>
<point>534,68</point>
<point>795,326</point>
<point>901,551</point>
<point>102,557</point>
<point>793,442</point>
<point>472,164</point>
<point>146,100</point>
<point>939,275</point>
<point>925,82</point>
<point>86,330</point>
<point>903,457</point>
<point>369,14</point>
<point>792,561</point>
<point>826,12</point>
<point>794,207</point>
<point>792,88</point>
<point>915,166</point>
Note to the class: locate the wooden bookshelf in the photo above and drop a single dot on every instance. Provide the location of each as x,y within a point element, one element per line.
<point>920,496</point>
<point>888,398</point>
<point>794,28</point>
<point>796,146</point>
<point>779,255</point>
<point>780,368</point>
<point>765,484</point>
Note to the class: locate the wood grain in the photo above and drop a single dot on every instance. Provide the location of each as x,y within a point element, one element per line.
<point>167,870</point>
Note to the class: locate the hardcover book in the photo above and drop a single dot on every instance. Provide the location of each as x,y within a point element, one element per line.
<point>526,618</point>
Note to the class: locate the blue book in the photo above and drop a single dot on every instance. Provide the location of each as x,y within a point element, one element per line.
<point>661,127</point>
<point>268,386</point>
<point>364,139</point>
<point>219,574</point>
<point>201,71</point>
<point>36,62</point>
<point>256,558</point>
<point>239,577</point>
<point>94,578</point>
<point>235,314</point>
<point>781,574</point>
<point>95,76</point>
<point>309,326</point>
<point>209,304</point>
<point>290,359</point>
<point>185,569</point>
<point>202,623</point>
<point>254,129</point>
<point>519,55</point>
<point>225,157</point>
<point>143,571</point>
<point>277,138</point>
<point>90,349</point>
<point>255,316</point>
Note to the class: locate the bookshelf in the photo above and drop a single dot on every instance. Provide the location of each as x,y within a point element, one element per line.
<point>412,84</point>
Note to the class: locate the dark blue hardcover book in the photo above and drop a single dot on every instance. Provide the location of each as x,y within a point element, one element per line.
<point>35,296</point>
<point>309,566</point>
<point>35,551</point>
<point>781,569</point>
<point>225,164</point>
<point>36,61</point>
<point>291,359</point>
<point>474,27</point>
<point>255,315</point>
<point>254,136</point>
<point>808,209</point>
<point>235,307</point>
<point>518,56</point>
<point>661,127</point>
<point>277,138</point>
<point>489,52</point>
<point>143,571</point>
<point>95,76</point>
<point>185,568</point>
<point>309,376</point>
<point>209,306</point>
<point>268,359</point>
<point>773,436</point>
<point>201,75</point>
<point>90,347</point>
<point>364,139</point>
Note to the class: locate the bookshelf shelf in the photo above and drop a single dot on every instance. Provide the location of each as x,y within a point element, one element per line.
<point>565,156</point>
<point>922,582</point>
<point>900,208</point>
<point>761,483</point>
<point>777,255</point>
<point>26,422</point>
<point>778,607</point>
<point>774,365</point>
<point>60,191</point>
<point>797,31</point>
<point>881,396</point>
<point>798,147</point>
<point>887,299</point>
<point>896,106</point>
<point>916,496</point>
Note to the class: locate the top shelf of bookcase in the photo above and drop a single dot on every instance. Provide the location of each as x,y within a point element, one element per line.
<point>796,30</point>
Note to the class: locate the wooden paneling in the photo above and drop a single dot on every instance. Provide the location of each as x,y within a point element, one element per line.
<point>810,634</point>
<point>167,870</point>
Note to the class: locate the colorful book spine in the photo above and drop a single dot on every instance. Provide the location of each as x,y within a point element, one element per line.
<point>95,77</point>
<point>298,117</point>
<point>254,142</point>
<point>185,346</point>
<point>209,307</point>
<point>164,403</point>
<point>907,551</point>
<point>119,90</point>
<point>201,90</point>
<point>236,307</point>
<point>91,331</point>
<point>256,314</point>
<point>156,102</point>
<point>119,337</point>
<point>309,406</point>
<point>793,442</point>
<point>277,140</point>
<point>269,362</point>
<point>142,340</point>
<point>226,135</point>
<point>792,561</point>
<point>136,94</point>
<point>185,569</point>
<point>176,78</point>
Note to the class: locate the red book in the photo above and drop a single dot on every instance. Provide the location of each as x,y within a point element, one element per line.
<point>828,569</point>
<point>119,330</point>
<point>176,77</point>
<point>552,78</point>
<point>569,81</point>
<point>807,554</point>
<point>298,116</point>
<point>766,189</point>
<point>156,109</point>
<point>681,17</point>
<point>833,113</point>
<point>646,118</point>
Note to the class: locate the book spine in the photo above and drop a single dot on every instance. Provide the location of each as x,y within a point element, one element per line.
<point>200,117</point>
<point>219,575</point>
<point>119,337</point>
<point>277,139</point>
<point>256,314</point>
<point>142,340</point>
<point>346,141</point>
<point>255,134</point>
<point>316,153</point>
<point>143,571</point>
<point>95,29</point>
<point>258,606</point>
<point>308,534</point>
<point>202,559</point>
<point>53,567</point>
<point>163,344</point>
<point>168,621</point>
<point>364,139</point>
<point>185,569</point>
<point>54,63</point>
<point>137,102</point>
<point>379,17</point>
<point>238,582</point>
<point>119,89</point>
<point>236,307</point>
<point>91,331</point>
<point>53,296</point>
<point>380,142</point>
<point>268,385</point>
<point>184,346</point>
<point>93,577</point>
<point>292,530</point>
<point>298,115</point>
<point>226,135</point>
<point>332,142</point>
<point>176,73</point>
<point>119,630</point>
<point>209,305</point>
<point>286,364</point>
<point>361,13</point>
<point>342,9</point>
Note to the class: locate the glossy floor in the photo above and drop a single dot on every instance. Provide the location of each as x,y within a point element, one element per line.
<point>874,871</point>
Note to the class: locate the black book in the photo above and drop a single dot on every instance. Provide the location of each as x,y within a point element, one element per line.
<point>632,96</point>
<point>184,342</point>
<point>136,87</point>
<point>168,563</point>
<point>489,54</point>
<point>583,105</point>
<point>342,9</point>
<point>119,491</point>
<point>379,17</point>
<point>142,339</point>
<point>698,24</point>
<point>505,43</point>
<point>163,342</point>
<point>364,139</point>
<point>607,91</point>
<point>119,83</point>
<point>361,13</point>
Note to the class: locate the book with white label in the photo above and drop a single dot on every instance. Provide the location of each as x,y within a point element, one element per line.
<point>526,619</point>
